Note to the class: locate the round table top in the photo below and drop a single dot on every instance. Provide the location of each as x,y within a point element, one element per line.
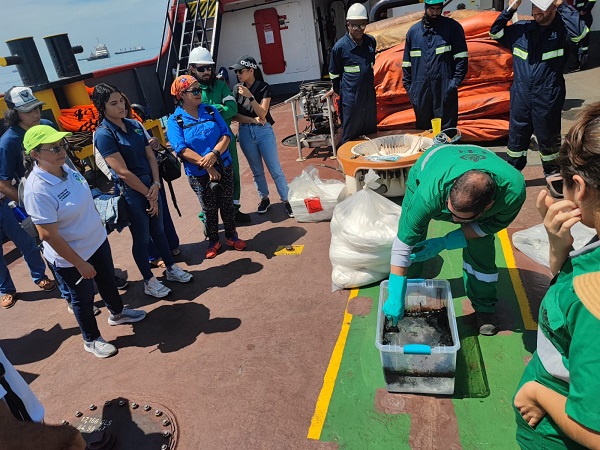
<point>351,163</point>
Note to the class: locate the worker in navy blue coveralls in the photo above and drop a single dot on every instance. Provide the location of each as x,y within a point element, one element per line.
<point>351,72</point>
<point>435,62</point>
<point>584,7</point>
<point>538,90</point>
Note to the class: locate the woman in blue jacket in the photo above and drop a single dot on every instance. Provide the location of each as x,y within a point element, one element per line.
<point>200,136</point>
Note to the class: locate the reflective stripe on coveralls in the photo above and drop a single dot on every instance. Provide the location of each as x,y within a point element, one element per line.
<point>538,90</point>
<point>566,359</point>
<point>434,64</point>
<point>427,190</point>
<point>351,71</point>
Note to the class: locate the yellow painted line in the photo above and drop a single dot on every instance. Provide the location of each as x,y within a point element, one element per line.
<point>518,287</point>
<point>318,419</point>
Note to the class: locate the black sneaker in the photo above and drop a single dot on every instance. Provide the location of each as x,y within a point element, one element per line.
<point>263,205</point>
<point>288,209</point>
<point>121,283</point>
<point>241,217</point>
<point>487,323</point>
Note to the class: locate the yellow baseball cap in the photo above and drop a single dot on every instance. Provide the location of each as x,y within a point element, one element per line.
<point>42,134</point>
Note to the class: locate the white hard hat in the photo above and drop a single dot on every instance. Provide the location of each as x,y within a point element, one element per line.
<point>200,55</point>
<point>357,12</point>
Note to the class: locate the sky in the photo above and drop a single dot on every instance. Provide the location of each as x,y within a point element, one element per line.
<point>117,23</point>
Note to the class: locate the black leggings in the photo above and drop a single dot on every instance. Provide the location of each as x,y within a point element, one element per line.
<point>213,200</point>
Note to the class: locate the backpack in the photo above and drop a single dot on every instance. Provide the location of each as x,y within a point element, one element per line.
<point>219,165</point>
<point>169,166</point>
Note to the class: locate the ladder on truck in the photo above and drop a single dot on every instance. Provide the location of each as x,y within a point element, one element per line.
<point>188,24</point>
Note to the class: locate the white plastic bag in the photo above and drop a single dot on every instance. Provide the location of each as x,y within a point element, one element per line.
<point>363,228</point>
<point>533,242</point>
<point>313,199</point>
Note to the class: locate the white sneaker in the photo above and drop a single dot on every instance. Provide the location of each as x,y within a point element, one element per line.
<point>155,288</point>
<point>176,273</point>
<point>100,348</point>
<point>127,316</point>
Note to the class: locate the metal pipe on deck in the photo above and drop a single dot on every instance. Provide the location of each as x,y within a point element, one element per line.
<point>29,64</point>
<point>63,55</point>
<point>384,5</point>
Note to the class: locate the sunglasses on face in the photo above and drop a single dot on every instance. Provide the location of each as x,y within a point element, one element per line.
<point>464,219</point>
<point>238,71</point>
<point>355,26</point>
<point>194,91</point>
<point>555,185</point>
<point>63,146</point>
<point>203,68</point>
<point>460,219</point>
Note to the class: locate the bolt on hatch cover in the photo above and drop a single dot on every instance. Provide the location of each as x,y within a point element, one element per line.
<point>125,424</point>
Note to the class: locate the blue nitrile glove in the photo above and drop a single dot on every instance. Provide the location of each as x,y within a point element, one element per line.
<point>431,247</point>
<point>393,308</point>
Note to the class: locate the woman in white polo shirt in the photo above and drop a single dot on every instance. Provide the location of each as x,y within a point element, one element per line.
<point>60,203</point>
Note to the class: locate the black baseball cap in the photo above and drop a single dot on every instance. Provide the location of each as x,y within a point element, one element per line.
<point>245,62</point>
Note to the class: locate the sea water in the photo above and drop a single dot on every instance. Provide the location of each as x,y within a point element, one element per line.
<point>8,78</point>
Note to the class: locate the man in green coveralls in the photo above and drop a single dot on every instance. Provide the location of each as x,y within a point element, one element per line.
<point>467,185</point>
<point>217,93</point>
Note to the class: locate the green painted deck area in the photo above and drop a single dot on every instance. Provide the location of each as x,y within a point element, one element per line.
<point>488,370</point>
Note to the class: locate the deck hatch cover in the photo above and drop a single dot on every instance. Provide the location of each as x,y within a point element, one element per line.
<point>121,423</point>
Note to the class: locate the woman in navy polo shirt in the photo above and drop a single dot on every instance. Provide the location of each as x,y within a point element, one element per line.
<point>60,203</point>
<point>125,148</point>
<point>200,136</point>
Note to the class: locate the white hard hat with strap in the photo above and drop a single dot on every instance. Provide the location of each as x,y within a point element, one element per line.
<point>200,55</point>
<point>357,12</point>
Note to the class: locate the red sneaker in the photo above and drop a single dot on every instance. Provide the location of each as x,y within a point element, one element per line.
<point>236,243</point>
<point>213,249</point>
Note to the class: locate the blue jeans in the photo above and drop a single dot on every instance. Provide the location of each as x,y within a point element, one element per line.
<point>62,287</point>
<point>258,144</point>
<point>143,226</point>
<point>82,294</point>
<point>26,245</point>
<point>169,227</point>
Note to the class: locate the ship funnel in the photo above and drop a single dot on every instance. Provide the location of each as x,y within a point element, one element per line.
<point>27,59</point>
<point>63,55</point>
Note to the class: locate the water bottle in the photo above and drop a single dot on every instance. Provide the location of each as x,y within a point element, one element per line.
<point>202,223</point>
<point>19,212</point>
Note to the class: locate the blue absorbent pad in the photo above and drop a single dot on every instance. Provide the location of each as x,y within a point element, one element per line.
<point>383,157</point>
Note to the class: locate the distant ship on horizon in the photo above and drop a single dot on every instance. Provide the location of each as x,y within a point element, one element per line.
<point>129,50</point>
<point>100,52</point>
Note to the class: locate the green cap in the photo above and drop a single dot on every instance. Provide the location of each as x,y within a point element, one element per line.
<point>434,2</point>
<point>42,134</point>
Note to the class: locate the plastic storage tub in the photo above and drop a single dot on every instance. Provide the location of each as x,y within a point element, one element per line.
<point>419,367</point>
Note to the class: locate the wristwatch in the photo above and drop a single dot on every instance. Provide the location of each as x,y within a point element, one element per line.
<point>157,183</point>
<point>251,99</point>
<point>217,153</point>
